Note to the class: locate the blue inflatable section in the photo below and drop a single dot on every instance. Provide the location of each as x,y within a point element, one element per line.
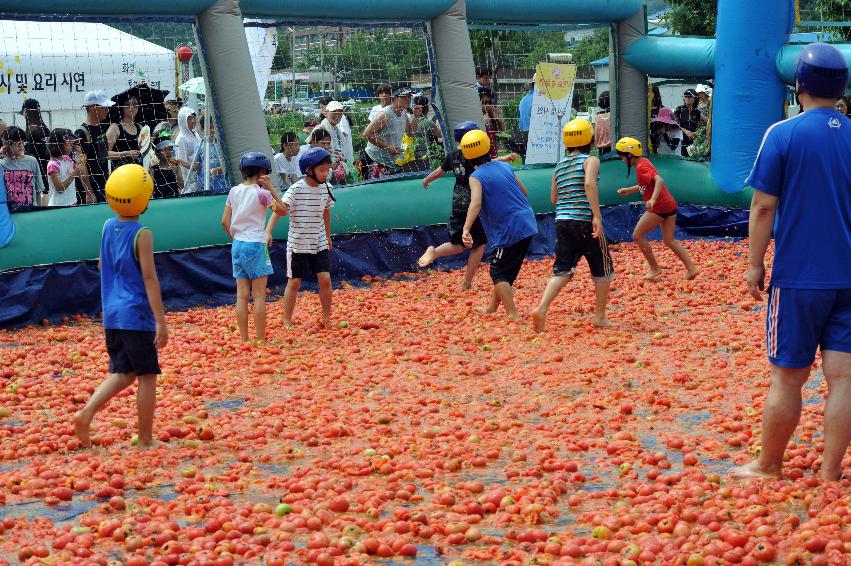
<point>202,277</point>
<point>7,225</point>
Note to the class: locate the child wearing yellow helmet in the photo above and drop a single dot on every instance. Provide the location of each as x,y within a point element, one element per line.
<point>661,208</point>
<point>498,198</point>
<point>579,224</point>
<point>133,315</point>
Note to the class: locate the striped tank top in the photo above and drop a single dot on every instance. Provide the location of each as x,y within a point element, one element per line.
<point>572,203</point>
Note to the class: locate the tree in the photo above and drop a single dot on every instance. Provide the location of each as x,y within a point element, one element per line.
<point>828,11</point>
<point>284,54</point>
<point>592,47</point>
<point>688,17</point>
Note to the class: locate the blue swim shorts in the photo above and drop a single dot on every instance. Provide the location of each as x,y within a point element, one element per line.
<point>250,260</point>
<point>801,320</point>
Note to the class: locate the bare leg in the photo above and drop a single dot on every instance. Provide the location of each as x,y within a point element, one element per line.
<point>146,401</point>
<point>432,254</point>
<point>837,416</point>
<point>646,223</point>
<point>780,417</point>
<point>668,226</point>
<point>493,304</point>
<point>111,386</point>
<point>472,266</point>
<point>290,295</point>
<point>325,293</point>
<point>258,291</point>
<point>243,291</point>
<point>554,286</point>
<point>505,293</point>
<point>601,291</point>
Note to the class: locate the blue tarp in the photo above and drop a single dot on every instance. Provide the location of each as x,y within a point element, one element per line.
<point>200,277</point>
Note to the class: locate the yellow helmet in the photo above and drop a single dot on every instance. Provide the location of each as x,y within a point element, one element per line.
<point>577,133</point>
<point>129,189</point>
<point>629,145</point>
<point>475,143</point>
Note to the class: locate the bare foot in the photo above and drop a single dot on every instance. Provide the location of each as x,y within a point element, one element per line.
<point>81,429</point>
<point>601,322</point>
<point>288,324</point>
<point>466,286</point>
<point>485,310</point>
<point>829,478</point>
<point>652,274</point>
<point>752,471</point>
<point>427,258</point>
<point>325,323</point>
<point>539,320</point>
<point>151,445</point>
<point>692,273</point>
<point>514,317</point>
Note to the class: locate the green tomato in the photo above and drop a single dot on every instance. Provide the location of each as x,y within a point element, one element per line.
<point>283,509</point>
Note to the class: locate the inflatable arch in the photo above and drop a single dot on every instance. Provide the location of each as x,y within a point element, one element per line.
<point>48,269</point>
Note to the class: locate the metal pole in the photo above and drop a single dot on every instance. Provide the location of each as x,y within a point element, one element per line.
<point>321,63</point>
<point>292,38</point>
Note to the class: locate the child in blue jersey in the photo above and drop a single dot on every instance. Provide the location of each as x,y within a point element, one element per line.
<point>244,219</point>
<point>579,225</point>
<point>498,198</point>
<point>133,316</point>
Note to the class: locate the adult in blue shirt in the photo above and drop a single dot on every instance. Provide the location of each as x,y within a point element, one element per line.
<point>802,177</point>
<point>525,109</point>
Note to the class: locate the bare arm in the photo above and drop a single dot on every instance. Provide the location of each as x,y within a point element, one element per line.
<point>592,171</point>
<point>761,224</point>
<point>145,252</point>
<point>327,218</point>
<point>111,138</point>
<point>371,134</point>
<point>554,191</point>
<point>273,221</point>
<point>473,210</point>
<point>507,158</point>
<point>226,218</point>
<point>433,176</point>
<point>522,186</point>
<point>626,191</point>
<point>657,187</point>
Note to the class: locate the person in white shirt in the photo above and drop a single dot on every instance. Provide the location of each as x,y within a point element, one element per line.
<point>333,124</point>
<point>62,170</point>
<point>243,220</point>
<point>187,140</point>
<point>671,136</point>
<point>383,93</point>
<point>384,134</point>
<point>308,202</point>
<point>286,161</point>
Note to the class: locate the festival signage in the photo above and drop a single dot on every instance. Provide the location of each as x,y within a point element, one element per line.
<point>551,107</point>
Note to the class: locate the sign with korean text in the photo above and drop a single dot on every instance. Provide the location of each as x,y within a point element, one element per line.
<point>551,108</point>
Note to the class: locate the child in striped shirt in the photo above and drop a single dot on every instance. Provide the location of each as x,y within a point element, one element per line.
<point>579,225</point>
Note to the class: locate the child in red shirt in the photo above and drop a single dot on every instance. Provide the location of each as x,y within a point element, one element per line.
<point>661,208</point>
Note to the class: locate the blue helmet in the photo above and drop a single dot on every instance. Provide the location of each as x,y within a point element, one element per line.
<point>313,157</point>
<point>822,71</point>
<point>463,128</point>
<point>255,159</point>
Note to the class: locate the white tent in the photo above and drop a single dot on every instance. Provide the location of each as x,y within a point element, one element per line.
<point>56,63</point>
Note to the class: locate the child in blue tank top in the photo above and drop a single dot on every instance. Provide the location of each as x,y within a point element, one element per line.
<point>133,315</point>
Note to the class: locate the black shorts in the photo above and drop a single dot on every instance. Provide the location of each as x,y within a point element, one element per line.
<point>477,231</point>
<point>132,351</point>
<point>299,265</point>
<point>574,241</point>
<point>506,262</point>
<point>666,214</point>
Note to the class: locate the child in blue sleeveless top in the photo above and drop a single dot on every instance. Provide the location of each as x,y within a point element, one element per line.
<point>579,225</point>
<point>133,315</point>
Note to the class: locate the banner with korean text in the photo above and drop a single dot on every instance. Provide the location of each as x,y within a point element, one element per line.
<point>551,107</point>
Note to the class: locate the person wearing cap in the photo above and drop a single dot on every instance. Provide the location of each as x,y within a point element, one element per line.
<point>168,178</point>
<point>62,169</point>
<point>801,179</point>
<point>92,134</point>
<point>21,173</point>
<point>703,94</point>
<point>670,133</point>
<point>688,117</point>
<point>37,133</point>
<point>384,134</point>
<point>341,141</point>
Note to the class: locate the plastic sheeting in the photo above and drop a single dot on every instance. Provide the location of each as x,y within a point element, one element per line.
<point>673,57</point>
<point>455,68</point>
<point>242,126</point>
<point>631,95</point>
<point>550,11</point>
<point>202,277</point>
<point>749,94</point>
<point>7,225</point>
<point>788,58</point>
<point>346,10</point>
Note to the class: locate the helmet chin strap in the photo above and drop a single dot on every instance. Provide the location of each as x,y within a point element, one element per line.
<point>318,182</point>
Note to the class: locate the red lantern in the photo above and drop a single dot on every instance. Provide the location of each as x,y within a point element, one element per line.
<point>184,53</point>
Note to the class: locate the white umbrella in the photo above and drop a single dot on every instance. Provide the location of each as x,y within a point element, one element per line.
<point>194,86</point>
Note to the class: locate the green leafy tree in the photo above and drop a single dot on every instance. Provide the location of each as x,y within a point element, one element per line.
<point>835,11</point>
<point>688,17</point>
<point>591,48</point>
<point>284,53</point>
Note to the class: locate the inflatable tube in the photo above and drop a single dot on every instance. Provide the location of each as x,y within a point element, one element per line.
<point>346,10</point>
<point>631,93</point>
<point>455,68</point>
<point>675,57</point>
<point>788,58</point>
<point>7,225</point>
<point>195,222</point>
<point>99,8</point>
<point>749,94</point>
<point>549,11</point>
<point>240,120</point>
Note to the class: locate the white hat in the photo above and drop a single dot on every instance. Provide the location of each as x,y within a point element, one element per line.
<point>97,98</point>
<point>703,88</point>
<point>333,106</point>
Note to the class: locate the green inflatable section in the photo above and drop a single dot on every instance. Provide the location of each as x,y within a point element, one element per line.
<point>73,234</point>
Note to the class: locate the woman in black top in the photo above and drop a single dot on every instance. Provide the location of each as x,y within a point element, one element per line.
<point>123,138</point>
<point>37,134</point>
<point>688,117</point>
